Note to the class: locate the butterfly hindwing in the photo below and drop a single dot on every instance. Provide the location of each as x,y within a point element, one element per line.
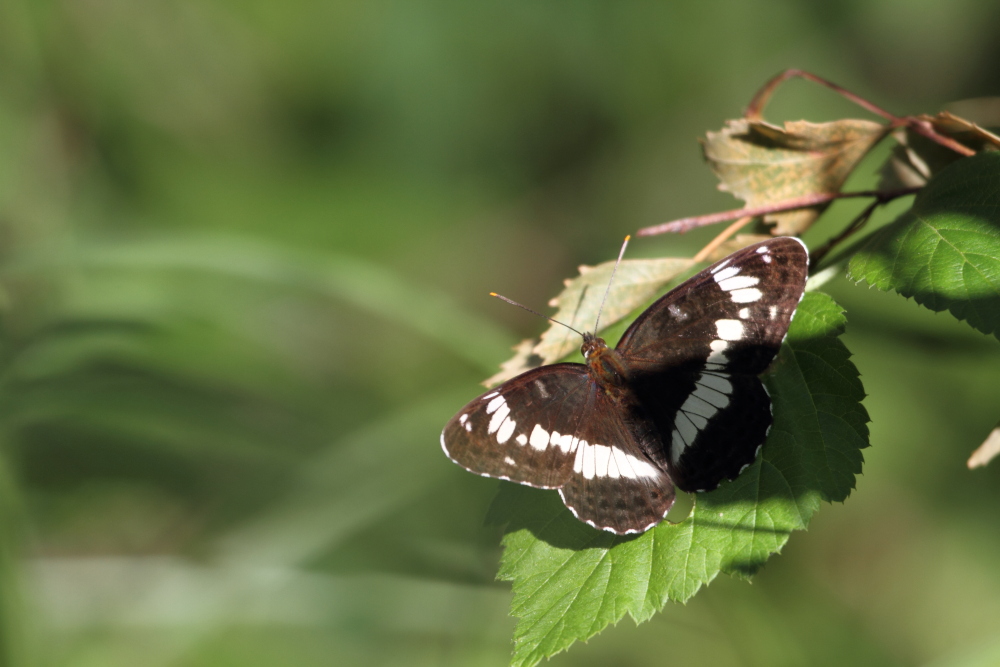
<point>713,423</point>
<point>615,486</point>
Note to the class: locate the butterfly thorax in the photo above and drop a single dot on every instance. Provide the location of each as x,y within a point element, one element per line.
<point>604,362</point>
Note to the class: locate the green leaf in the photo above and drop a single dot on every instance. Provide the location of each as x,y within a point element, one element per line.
<point>571,581</point>
<point>945,251</point>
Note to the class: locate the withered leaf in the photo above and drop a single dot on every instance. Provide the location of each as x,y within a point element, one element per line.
<point>738,242</point>
<point>987,451</point>
<point>765,164</point>
<point>636,282</point>
<point>916,158</point>
<point>523,360</point>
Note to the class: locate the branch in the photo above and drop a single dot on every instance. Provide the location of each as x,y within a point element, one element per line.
<point>755,109</point>
<point>685,224</point>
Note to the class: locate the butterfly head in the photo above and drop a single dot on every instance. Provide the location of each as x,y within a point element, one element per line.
<point>603,361</point>
<point>592,346</point>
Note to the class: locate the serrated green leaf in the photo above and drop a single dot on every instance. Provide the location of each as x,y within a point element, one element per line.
<point>571,581</point>
<point>945,251</point>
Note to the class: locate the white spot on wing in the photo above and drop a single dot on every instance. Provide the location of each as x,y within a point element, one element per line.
<point>744,313</point>
<point>588,459</point>
<point>500,413</point>
<point>468,427</point>
<point>767,259</point>
<point>748,295</point>
<point>699,422</point>
<point>613,471</point>
<point>723,264</point>
<point>716,382</point>
<point>566,443</point>
<point>718,352</point>
<point>737,282</point>
<point>685,427</point>
<point>726,273</point>
<point>729,329</point>
<point>522,439</point>
<point>677,446</point>
<point>774,312</point>
<point>762,250</point>
<point>695,404</point>
<point>462,419</point>
<point>602,455</point>
<point>709,395</point>
<point>539,438</point>
<point>509,461</point>
<point>493,405</point>
<point>541,388</point>
<point>506,430</point>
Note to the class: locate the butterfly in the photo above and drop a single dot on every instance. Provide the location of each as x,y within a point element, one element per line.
<point>677,403</point>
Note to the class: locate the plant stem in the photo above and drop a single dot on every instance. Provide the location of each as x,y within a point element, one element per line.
<point>684,224</point>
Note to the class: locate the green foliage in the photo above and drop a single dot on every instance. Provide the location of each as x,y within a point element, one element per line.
<point>571,581</point>
<point>945,251</point>
<point>244,251</point>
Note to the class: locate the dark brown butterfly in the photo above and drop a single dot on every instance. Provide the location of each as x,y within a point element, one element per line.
<point>677,402</point>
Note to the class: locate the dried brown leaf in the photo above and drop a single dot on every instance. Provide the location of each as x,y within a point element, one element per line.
<point>764,164</point>
<point>736,243</point>
<point>523,360</point>
<point>916,158</point>
<point>986,451</point>
<point>636,282</point>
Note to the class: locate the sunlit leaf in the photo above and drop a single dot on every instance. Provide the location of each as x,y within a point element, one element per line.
<point>635,283</point>
<point>571,581</point>
<point>987,451</point>
<point>524,359</point>
<point>736,243</point>
<point>764,164</point>
<point>945,251</point>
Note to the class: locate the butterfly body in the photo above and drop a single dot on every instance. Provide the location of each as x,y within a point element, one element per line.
<point>677,403</point>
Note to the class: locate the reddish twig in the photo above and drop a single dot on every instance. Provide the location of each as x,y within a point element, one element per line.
<point>924,128</point>
<point>760,100</point>
<point>857,223</point>
<point>755,109</point>
<point>685,224</point>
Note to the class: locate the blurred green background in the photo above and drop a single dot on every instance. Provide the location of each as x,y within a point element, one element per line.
<point>244,255</point>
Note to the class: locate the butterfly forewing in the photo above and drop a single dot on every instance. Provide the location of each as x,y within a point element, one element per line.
<point>523,429</point>
<point>734,314</point>
<point>615,486</point>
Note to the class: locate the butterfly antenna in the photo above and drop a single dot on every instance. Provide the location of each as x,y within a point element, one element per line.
<point>515,303</point>
<point>621,254</point>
